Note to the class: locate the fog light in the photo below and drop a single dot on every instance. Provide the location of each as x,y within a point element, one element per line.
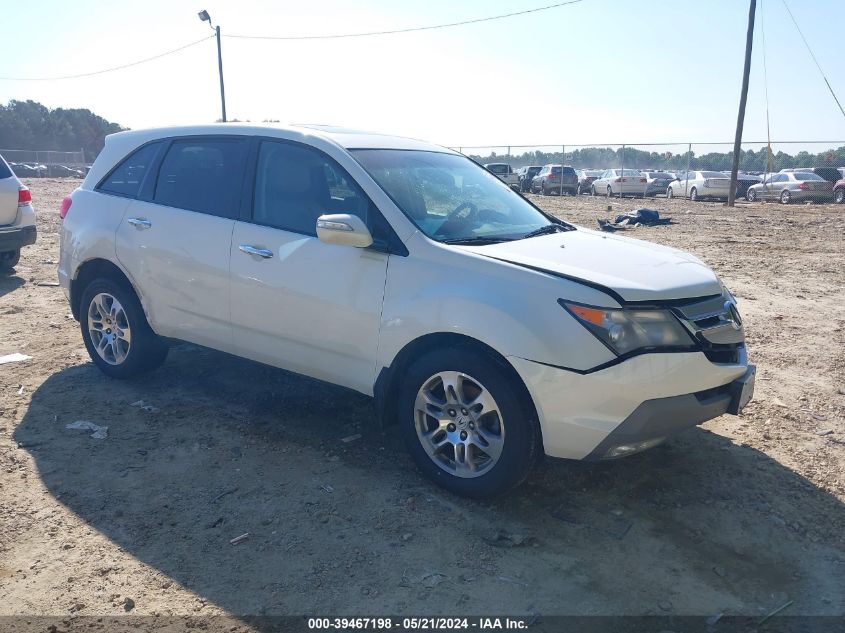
<point>624,450</point>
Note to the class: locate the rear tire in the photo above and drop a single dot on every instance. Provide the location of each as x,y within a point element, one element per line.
<point>785,197</point>
<point>436,444</point>
<point>593,190</point>
<point>115,330</point>
<point>751,195</point>
<point>839,196</point>
<point>670,193</point>
<point>693,194</point>
<point>8,260</point>
<point>609,191</point>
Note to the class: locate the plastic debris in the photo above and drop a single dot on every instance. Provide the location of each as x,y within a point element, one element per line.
<point>640,217</point>
<point>144,406</point>
<point>351,438</point>
<point>13,358</point>
<point>239,539</point>
<point>327,488</point>
<point>99,432</point>
<point>20,390</point>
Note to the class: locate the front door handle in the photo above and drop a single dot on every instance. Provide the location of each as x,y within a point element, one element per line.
<point>140,223</point>
<point>251,250</point>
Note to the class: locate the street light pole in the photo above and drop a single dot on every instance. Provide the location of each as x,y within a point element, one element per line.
<point>205,17</point>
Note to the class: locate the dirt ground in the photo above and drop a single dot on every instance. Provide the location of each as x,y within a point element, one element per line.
<point>740,516</point>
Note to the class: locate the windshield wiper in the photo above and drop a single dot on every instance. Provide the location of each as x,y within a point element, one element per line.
<point>478,240</point>
<point>546,230</point>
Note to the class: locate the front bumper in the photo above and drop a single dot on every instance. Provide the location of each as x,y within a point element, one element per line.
<point>645,398</point>
<point>14,238</point>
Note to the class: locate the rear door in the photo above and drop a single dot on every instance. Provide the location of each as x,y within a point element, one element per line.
<point>8,194</point>
<point>299,303</point>
<point>174,242</point>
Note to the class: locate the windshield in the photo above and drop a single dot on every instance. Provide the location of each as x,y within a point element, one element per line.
<point>449,197</point>
<point>499,168</point>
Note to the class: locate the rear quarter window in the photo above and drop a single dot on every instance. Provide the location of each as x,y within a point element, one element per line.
<point>5,172</point>
<point>127,177</point>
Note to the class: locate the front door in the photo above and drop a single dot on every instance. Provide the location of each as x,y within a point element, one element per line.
<point>298,303</point>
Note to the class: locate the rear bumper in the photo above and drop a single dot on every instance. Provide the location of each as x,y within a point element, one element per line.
<point>14,238</point>
<point>647,397</point>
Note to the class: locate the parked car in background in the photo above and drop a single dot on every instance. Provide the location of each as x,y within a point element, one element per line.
<point>789,187</point>
<point>555,179</point>
<point>839,191</point>
<point>842,171</point>
<point>17,218</point>
<point>831,174</point>
<point>63,171</point>
<point>504,172</point>
<point>743,182</point>
<point>657,182</point>
<point>698,185</point>
<point>525,175</point>
<point>586,178</point>
<point>23,170</point>
<point>618,182</point>
<point>486,330</point>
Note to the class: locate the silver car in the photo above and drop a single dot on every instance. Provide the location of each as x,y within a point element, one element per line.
<point>792,187</point>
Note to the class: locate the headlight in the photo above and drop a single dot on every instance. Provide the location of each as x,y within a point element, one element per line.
<point>628,330</point>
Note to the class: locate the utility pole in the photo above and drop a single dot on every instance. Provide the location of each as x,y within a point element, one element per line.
<point>205,17</point>
<point>749,41</point>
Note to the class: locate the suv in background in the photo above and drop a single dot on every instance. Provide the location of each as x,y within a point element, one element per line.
<point>554,178</point>
<point>406,272</point>
<point>526,175</point>
<point>17,218</point>
<point>505,173</point>
<point>831,174</point>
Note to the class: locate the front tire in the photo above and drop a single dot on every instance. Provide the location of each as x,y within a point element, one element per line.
<point>751,195</point>
<point>785,197</point>
<point>693,194</point>
<point>464,424</point>
<point>115,330</point>
<point>839,196</point>
<point>8,260</point>
<point>593,190</point>
<point>609,191</point>
<point>670,193</point>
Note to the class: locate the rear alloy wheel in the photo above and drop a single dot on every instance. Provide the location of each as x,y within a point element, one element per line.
<point>115,330</point>
<point>693,194</point>
<point>593,190</point>
<point>609,192</point>
<point>8,260</point>
<point>751,195</point>
<point>670,192</point>
<point>839,196</point>
<point>785,197</point>
<point>464,424</point>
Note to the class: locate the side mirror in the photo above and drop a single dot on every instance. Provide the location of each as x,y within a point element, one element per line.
<point>343,229</point>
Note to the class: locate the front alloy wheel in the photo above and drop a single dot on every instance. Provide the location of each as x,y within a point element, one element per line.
<point>785,197</point>
<point>459,424</point>
<point>108,327</point>
<point>839,196</point>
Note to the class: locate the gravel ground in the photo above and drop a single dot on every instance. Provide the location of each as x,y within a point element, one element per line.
<point>739,516</point>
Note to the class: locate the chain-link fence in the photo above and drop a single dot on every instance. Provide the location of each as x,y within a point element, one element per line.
<point>691,170</point>
<point>45,163</point>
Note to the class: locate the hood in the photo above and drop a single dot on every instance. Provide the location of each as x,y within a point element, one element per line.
<point>634,269</point>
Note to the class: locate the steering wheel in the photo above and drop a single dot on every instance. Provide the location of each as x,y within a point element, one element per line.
<point>456,215</point>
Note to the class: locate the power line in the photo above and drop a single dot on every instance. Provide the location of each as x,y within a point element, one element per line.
<point>108,70</point>
<point>407,30</point>
<point>814,57</point>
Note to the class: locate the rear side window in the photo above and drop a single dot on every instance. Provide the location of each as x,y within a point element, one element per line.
<point>203,175</point>
<point>126,178</point>
<point>5,172</point>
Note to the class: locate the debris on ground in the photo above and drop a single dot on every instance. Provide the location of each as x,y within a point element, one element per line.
<point>98,432</point>
<point>503,538</point>
<point>433,579</point>
<point>144,406</point>
<point>239,539</point>
<point>128,604</point>
<point>640,217</point>
<point>775,612</point>
<point>48,284</point>
<point>13,358</point>
<point>20,390</point>
<point>824,432</point>
<point>327,488</point>
<point>223,494</point>
<point>350,438</point>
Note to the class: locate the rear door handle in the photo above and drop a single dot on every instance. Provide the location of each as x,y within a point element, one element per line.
<point>140,223</point>
<point>251,250</point>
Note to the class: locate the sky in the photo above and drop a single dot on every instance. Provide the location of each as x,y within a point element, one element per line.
<point>595,72</point>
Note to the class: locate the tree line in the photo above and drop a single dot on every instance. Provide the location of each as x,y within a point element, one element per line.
<point>606,158</point>
<point>33,126</point>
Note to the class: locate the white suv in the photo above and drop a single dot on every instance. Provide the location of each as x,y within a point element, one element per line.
<point>489,331</point>
<point>17,218</point>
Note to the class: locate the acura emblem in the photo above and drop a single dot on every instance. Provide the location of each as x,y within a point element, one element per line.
<point>732,315</point>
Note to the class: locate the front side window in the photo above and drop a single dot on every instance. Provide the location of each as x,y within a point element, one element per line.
<point>203,175</point>
<point>294,185</point>
<point>126,179</point>
<point>450,198</point>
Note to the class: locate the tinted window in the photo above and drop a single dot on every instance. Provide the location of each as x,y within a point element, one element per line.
<point>804,175</point>
<point>499,169</point>
<point>5,172</point>
<point>203,175</point>
<point>126,179</point>
<point>568,170</point>
<point>294,185</point>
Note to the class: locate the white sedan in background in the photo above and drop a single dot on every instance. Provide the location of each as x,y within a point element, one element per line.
<point>697,185</point>
<point>621,182</point>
